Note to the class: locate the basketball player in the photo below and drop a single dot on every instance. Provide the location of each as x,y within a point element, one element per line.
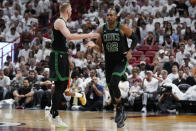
<point>113,37</point>
<point>59,60</point>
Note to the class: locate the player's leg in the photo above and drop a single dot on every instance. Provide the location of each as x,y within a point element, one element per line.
<point>120,114</point>
<point>118,73</point>
<point>59,89</point>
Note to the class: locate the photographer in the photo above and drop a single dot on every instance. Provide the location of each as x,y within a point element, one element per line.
<point>94,96</point>
<point>168,101</point>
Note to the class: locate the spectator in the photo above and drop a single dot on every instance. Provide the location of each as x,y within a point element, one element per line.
<point>12,35</point>
<point>168,65</point>
<point>168,101</point>
<point>162,58</point>
<point>168,43</point>
<point>180,79</point>
<point>149,40</point>
<point>190,47</point>
<point>143,66</point>
<point>134,75</point>
<point>94,96</point>
<point>174,75</point>
<point>150,87</point>
<point>17,81</point>
<point>143,32</point>
<point>34,83</point>
<point>4,85</point>
<point>188,33</point>
<point>191,80</point>
<point>163,78</point>
<point>187,61</point>
<point>24,52</point>
<point>44,10</point>
<point>134,92</point>
<point>24,95</point>
<point>181,7</point>
<point>44,93</point>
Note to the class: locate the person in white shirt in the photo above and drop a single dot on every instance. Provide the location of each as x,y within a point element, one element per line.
<point>191,10</point>
<point>190,47</point>
<point>186,19</point>
<point>134,92</point>
<point>12,35</point>
<point>162,58</point>
<point>193,59</point>
<point>150,25</point>
<point>174,75</point>
<point>134,7</point>
<point>163,78</point>
<point>143,32</point>
<point>150,87</point>
<point>157,7</point>
<point>147,7</point>
<point>158,18</point>
<point>187,61</point>
<point>170,5</point>
<point>4,84</point>
<point>180,55</point>
<point>24,52</point>
<point>193,26</point>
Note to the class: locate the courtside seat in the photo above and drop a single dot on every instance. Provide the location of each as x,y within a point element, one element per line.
<point>143,48</point>
<point>154,48</point>
<point>137,54</point>
<point>132,60</point>
<point>150,54</point>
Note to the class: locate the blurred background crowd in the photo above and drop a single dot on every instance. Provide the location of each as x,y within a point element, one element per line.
<point>162,69</point>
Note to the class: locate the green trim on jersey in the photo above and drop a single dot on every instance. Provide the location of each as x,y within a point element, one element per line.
<point>58,75</point>
<point>62,19</point>
<point>121,73</point>
<point>112,28</point>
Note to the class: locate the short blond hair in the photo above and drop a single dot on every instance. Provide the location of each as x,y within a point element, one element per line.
<point>64,6</point>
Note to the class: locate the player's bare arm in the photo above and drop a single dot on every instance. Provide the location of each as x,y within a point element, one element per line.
<point>98,45</point>
<point>130,34</point>
<point>61,26</point>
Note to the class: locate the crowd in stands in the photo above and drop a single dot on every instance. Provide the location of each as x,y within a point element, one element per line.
<point>162,67</point>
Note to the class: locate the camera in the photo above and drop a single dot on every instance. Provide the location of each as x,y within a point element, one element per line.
<point>167,89</point>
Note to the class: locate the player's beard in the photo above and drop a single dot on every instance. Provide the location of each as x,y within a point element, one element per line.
<point>110,22</point>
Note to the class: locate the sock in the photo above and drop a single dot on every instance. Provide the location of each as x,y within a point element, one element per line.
<point>78,94</point>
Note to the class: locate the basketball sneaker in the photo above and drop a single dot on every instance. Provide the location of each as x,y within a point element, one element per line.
<point>83,99</point>
<point>119,110</point>
<point>144,110</point>
<point>121,123</point>
<point>59,123</point>
<point>120,117</point>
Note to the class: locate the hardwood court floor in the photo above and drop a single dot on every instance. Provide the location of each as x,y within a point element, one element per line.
<point>35,120</point>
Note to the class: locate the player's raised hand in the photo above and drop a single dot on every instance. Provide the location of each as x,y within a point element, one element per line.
<point>93,35</point>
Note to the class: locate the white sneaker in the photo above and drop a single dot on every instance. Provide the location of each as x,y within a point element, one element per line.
<point>144,110</point>
<point>47,108</point>
<point>59,123</point>
<point>171,111</point>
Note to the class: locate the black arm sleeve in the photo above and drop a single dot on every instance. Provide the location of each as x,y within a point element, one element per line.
<point>134,40</point>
